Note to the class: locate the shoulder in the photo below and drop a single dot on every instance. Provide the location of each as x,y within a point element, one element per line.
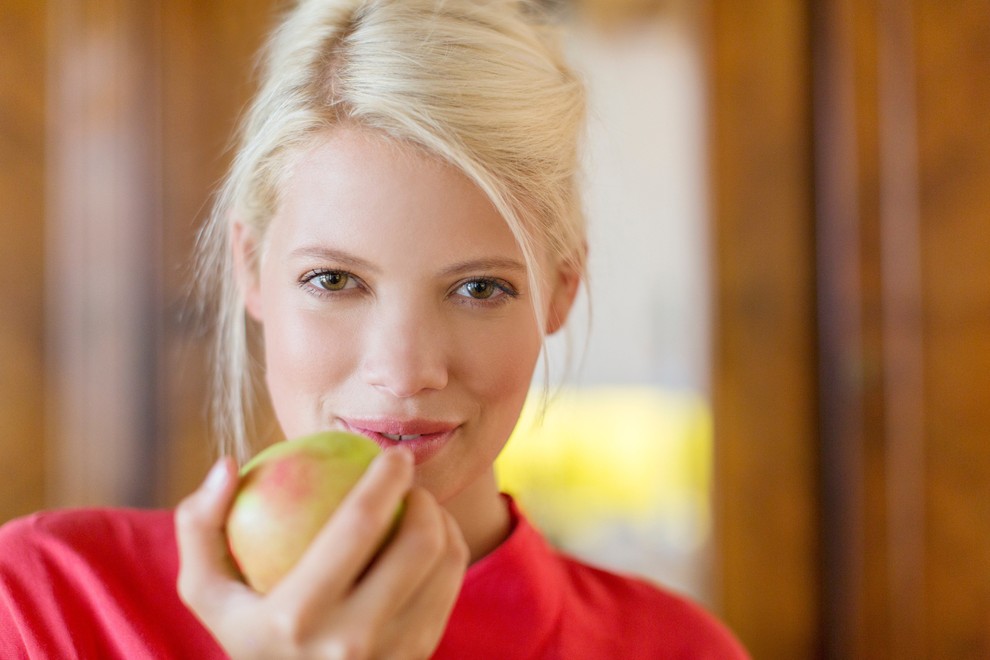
<point>94,583</point>
<point>51,540</point>
<point>86,527</point>
<point>647,615</point>
<point>592,612</point>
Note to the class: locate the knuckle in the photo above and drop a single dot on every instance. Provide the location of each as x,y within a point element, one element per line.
<point>457,547</point>
<point>187,515</point>
<point>186,588</point>
<point>285,624</point>
<point>353,646</point>
<point>365,516</point>
<point>459,552</point>
<point>427,540</point>
<point>362,525</point>
<point>183,514</point>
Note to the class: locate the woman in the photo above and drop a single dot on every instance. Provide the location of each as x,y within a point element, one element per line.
<point>401,226</point>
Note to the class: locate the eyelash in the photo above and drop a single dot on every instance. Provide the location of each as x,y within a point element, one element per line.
<point>508,291</point>
<point>307,282</point>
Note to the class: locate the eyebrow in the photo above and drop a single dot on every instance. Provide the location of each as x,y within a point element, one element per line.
<point>339,256</point>
<point>484,264</point>
<point>459,268</point>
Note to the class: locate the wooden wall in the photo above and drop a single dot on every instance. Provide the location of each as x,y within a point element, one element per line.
<point>22,269</point>
<point>114,121</point>
<point>952,63</point>
<point>902,95</point>
<point>768,542</point>
<point>851,155</point>
<point>207,58</point>
<point>145,97</point>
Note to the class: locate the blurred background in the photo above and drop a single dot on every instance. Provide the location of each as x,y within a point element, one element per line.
<point>776,394</point>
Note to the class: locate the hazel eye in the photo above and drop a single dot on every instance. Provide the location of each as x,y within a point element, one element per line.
<point>486,290</point>
<point>481,289</point>
<point>334,280</point>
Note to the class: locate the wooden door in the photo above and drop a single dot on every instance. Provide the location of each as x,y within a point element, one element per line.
<point>765,385</point>
<point>903,155</point>
<point>851,155</point>
<point>22,266</point>
<point>145,97</point>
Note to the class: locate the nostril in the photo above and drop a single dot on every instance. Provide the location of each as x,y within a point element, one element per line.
<point>406,377</point>
<point>404,353</point>
<point>406,384</point>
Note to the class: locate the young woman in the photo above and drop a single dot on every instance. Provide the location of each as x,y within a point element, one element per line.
<point>401,225</point>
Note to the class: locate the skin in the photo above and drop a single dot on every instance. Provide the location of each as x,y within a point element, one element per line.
<point>393,296</point>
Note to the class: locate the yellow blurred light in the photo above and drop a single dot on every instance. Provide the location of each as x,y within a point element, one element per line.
<point>636,455</point>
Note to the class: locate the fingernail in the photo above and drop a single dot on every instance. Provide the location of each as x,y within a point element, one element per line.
<point>401,453</point>
<point>217,477</point>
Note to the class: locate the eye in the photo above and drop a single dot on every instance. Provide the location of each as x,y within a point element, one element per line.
<point>480,289</point>
<point>486,289</point>
<point>329,280</point>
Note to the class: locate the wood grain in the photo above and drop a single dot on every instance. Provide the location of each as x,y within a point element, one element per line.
<point>903,155</point>
<point>104,218</point>
<point>764,353</point>
<point>953,63</point>
<point>22,230</point>
<point>208,55</point>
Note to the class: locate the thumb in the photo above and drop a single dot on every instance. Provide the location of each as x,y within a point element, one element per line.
<point>205,565</point>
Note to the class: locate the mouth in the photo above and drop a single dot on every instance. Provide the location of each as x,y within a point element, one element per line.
<point>424,438</point>
<point>402,438</point>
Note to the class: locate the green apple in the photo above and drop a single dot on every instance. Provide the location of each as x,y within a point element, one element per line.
<point>285,495</point>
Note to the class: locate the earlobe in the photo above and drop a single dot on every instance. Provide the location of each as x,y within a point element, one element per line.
<point>563,295</point>
<point>244,249</point>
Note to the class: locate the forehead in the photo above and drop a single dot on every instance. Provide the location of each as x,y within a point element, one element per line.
<point>353,188</point>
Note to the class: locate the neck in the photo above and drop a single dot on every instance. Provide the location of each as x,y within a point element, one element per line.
<point>482,515</point>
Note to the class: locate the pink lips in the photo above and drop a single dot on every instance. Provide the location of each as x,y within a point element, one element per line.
<point>423,438</point>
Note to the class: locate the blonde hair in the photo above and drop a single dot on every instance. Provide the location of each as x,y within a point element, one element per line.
<point>481,84</point>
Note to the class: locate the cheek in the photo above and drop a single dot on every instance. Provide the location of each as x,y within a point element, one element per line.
<point>306,357</point>
<point>503,371</point>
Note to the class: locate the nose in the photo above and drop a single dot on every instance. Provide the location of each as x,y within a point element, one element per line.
<point>405,352</point>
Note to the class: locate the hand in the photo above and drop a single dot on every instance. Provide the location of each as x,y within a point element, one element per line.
<point>332,604</point>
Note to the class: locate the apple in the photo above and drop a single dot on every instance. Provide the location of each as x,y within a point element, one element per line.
<point>285,495</point>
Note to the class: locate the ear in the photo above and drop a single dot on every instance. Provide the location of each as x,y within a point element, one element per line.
<point>244,247</point>
<point>566,282</point>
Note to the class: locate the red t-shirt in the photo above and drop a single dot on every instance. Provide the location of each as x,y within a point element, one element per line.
<point>100,583</point>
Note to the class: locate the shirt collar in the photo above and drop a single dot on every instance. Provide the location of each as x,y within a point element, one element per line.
<point>510,599</point>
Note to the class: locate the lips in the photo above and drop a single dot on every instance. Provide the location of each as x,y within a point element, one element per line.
<point>401,438</point>
<point>423,437</point>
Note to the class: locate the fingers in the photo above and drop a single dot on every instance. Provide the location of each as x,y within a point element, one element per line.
<point>419,575</point>
<point>421,623</point>
<point>205,564</point>
<point>345,545</point>
<point>418,545</point>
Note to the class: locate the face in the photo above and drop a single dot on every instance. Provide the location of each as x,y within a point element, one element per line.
<point>395,302</point>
